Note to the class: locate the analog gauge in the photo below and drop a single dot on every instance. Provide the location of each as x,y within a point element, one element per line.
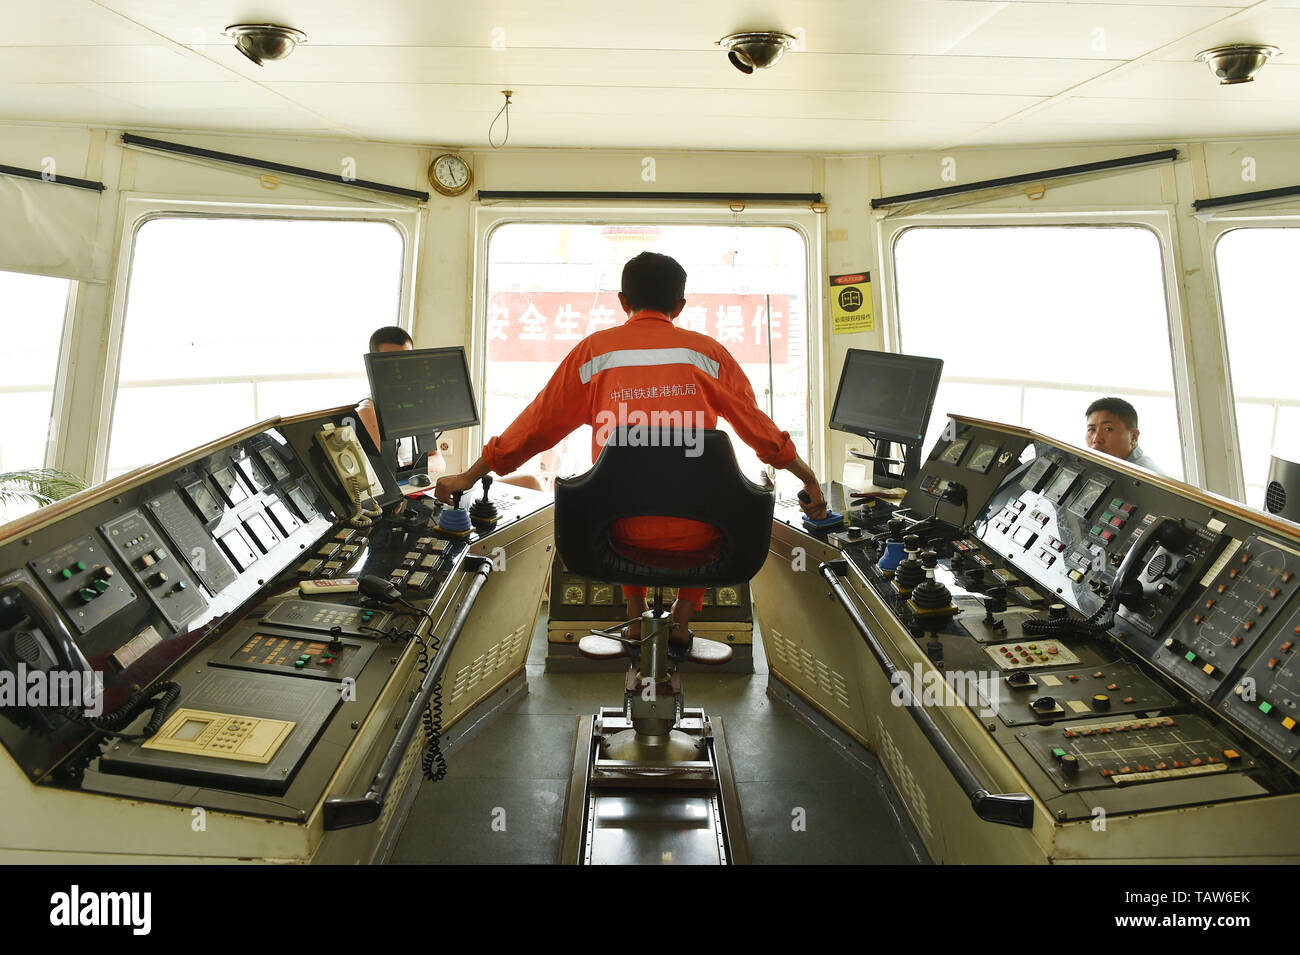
<point>982,458</point>
<point>602,595</point>
<point>575,594</point>
<point>952,454</point>
<point>450,175</point>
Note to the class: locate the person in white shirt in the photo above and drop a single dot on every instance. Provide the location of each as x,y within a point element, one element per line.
<point>1113,430</point>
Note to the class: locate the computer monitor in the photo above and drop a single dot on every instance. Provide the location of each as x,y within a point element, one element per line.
<point>888,398</point>
<point>421,392</point>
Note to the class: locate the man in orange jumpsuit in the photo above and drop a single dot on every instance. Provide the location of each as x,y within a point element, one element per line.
<point>645,370</point>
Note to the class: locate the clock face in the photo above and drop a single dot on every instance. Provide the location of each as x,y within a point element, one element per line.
<point>450,175</point>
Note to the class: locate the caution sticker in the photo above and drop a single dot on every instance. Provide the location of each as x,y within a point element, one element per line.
<point>851,303</point>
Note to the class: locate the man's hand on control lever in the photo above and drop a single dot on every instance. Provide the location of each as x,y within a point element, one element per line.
<point>815,505</point>
<point>459,483</point>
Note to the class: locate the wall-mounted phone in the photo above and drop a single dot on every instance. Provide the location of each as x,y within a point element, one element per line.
<point>361,486</point>
<point>33,638</point>
<point>1163,563</point>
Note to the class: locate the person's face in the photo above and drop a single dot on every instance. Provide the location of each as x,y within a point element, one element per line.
<point>387,347</point>
<point>1107,434</point>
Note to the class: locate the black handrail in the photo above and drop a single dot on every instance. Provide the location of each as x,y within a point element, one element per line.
<point>343,812</point>
<point>1008,809</point>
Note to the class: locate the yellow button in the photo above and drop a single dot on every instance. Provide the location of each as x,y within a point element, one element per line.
<point>1288,723</point>
<point>1208,669</point>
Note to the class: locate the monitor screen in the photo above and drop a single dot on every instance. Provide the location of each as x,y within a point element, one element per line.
<point>421,392</point>
<point>883,395</point>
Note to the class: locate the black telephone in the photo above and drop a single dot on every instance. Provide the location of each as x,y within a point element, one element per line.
<point>33,636</point>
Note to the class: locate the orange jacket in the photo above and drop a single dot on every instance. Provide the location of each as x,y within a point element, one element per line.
<point>645,365</point>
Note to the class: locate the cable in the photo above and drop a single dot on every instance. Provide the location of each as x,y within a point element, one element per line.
<point>433,764</point>
<point>162,699</point>
<point>504,109</point>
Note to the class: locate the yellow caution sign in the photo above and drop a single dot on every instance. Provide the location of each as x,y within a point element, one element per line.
<point>851,303</point>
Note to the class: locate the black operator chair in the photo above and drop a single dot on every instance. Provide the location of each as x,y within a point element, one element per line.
<point>667,480</point>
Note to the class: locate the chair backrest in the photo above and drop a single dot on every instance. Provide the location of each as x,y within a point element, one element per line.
<point>665,479</point>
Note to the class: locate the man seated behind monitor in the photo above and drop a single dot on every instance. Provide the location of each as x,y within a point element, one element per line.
<point>1113,430</point>
<point>629,359</point>
<point>393,338</point>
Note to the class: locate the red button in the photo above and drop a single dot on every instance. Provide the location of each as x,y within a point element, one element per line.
<point>1117,522</point>
<point>1107,535</point>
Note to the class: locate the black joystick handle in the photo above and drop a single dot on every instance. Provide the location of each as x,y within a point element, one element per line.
<point>929,560</point>
<point>483,513</point>
<point>897,525</point>
<point>455,498</point>
<point>336,639</point>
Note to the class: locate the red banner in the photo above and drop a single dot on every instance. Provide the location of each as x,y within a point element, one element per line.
<point>544,326</point>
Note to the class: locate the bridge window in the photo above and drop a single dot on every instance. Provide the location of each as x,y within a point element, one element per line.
<point>32,313</point>
<point>1035,322</point>
<point>232,320</point>
<point>1259,288</point>
<point>551,284</point>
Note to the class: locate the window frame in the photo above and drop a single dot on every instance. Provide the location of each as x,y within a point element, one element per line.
<point>1159,222</point>
<point>1214,227</point>
<point>62,372</point>
<point>808,224</point>
<point>137,210</point>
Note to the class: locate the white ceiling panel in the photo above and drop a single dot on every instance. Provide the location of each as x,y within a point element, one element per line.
<point>66,23</point>
<point>879,26</point>
<point>1272,26</point>
<point>896,74</point>
<point>814,72</point>
<point>1101,31</point>
<point>1278,83</point>
<point>104,64</point>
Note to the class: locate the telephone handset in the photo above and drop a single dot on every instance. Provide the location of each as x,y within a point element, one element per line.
<point>34,637</point>
<point>1167,532</point>
<point>360,484</point>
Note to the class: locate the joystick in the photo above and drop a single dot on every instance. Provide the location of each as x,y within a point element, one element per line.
<point>910,571</point>
<point>995,602</point>
<point>930,596</point>
<point>336,639</point>
<point>453,520</point>
<point>483,513</point>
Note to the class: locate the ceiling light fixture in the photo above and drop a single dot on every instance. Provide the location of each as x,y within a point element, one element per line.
<point>1236,62</point>
<point>265,41</point>
<point>755,51</point>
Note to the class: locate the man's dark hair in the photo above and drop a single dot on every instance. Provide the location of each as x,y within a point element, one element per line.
<point>389,335</point>
<point>654,281</point>
<point>1118,407</point>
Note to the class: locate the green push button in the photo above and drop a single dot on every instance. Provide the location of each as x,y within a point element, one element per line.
<point>80,565</point>
<point>65,573</point>
<point>86,594</point>
<point>1107,517</point>
<point>305,657</point>
<point>1116,503</point>
<point>1096,530</point>
<point>1190,656</point>
<point>101,585</point>
<point>1057,752</point>
<point>1266,707</point>
<point>300,663</point>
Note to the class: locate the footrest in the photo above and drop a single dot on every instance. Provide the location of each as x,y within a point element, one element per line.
<point>709,652</point>
<point>601,648</point>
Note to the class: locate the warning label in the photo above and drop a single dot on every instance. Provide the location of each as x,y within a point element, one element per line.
<point>851,303</point>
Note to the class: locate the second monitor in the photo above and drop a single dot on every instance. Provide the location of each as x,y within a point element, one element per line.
<point>420,393</point>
